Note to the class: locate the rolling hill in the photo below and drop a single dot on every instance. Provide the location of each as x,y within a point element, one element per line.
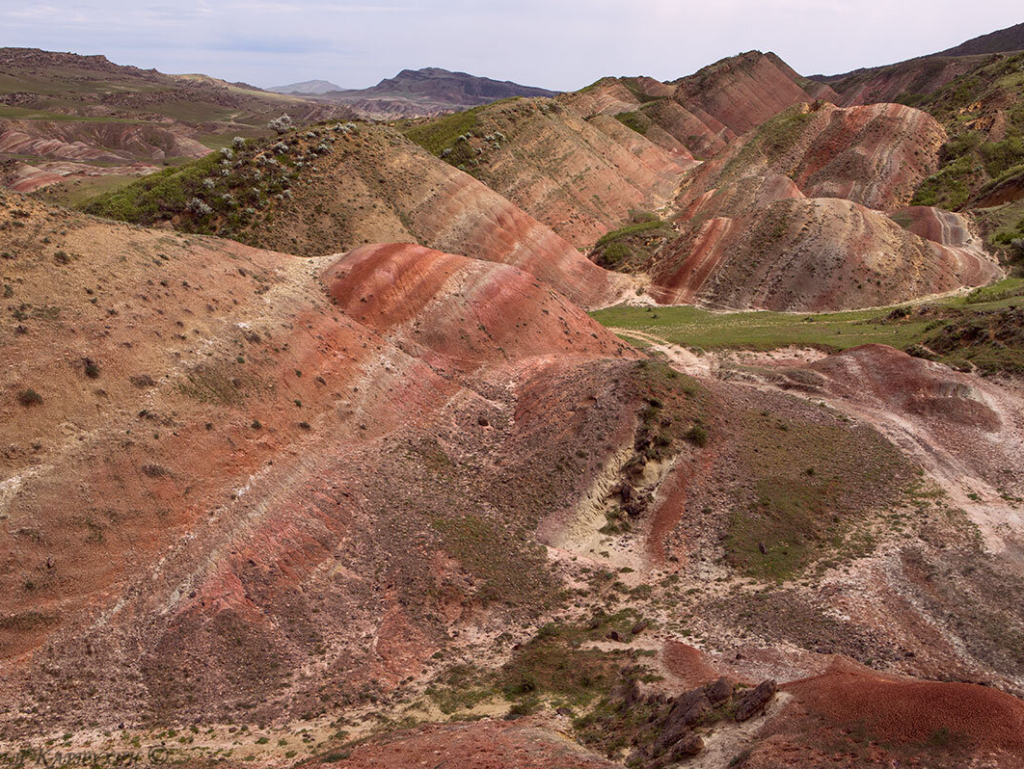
<point>71,120</point>
<point>659,424</point>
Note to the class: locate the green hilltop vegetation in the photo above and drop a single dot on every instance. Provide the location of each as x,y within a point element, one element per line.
<point>461,138</point>
<point>226,191</point>
<point>631,247</point>
<point>973,166</point>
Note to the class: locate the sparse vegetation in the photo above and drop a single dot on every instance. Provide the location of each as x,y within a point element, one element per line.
<point>224,192</point>
<point>794,517</point>
<point>438,135</point>
<point>972,164</point>
<point>511,569</point>
<point>772,140</point>
<point>555,668</point>
<point>29,397</point>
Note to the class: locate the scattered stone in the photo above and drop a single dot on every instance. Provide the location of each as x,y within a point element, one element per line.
<point>719,692</point>
<point>689,746</point>
<point>686,711</point>
<point>754,700</point>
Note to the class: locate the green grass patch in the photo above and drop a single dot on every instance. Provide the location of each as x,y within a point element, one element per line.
<point>636,228</point>
<point>814,483</point>
<point>997,292</point>
<point>698,328</point>
<point>631,247</point>
<point>557,666</point>
<point>20,113</point>
<point>436,136</point>
<point>155,197</point>
<point>1000,157</point>
<point>217,194</point>
<point>509,567</point>
<point>984,319</point>
<point>79,192</point>
<point>636,121</point>
<point>951,187</point>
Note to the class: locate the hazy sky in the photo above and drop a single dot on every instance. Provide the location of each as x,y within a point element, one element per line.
<point>560,44</point>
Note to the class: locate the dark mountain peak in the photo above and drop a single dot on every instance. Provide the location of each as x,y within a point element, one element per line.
<point>431,91</point>
<point>307,88</point>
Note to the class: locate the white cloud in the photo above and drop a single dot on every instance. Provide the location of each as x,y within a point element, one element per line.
<point>554,43</point>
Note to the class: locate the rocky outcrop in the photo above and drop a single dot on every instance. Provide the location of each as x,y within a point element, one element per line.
<point>677,727</point>
<point>754,701</point>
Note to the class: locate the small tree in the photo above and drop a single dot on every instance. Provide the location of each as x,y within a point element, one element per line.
<point>196,207</point>
<point>281,125</point>
<point>1017,248</point>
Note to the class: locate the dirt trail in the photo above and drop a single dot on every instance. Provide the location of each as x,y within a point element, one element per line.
<point>681,358</point>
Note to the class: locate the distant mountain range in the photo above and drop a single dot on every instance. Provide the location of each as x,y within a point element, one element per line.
<point>1002,41</point>
<point>416,93</point>
<point>307,88</point>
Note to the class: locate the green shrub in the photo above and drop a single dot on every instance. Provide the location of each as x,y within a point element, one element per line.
<point>631,229</point>
<point>441,134</point>
<point>951,186</point>
<point>29,397</point>
<point>698,435</point>
<point>615,254</point>
<point>959,146</point>
<point>999,157</point>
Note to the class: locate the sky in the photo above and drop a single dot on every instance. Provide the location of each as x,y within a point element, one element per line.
<point>558,44</point>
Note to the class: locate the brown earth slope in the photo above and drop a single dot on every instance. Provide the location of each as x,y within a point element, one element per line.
<point>223,414</point>
<point>743,91</point>
<point>810,254</point>
<point>876,155</point>
<point>704,111</point>
<point>241,487</point>
<point>899,82</point>
<point>581,178</point>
